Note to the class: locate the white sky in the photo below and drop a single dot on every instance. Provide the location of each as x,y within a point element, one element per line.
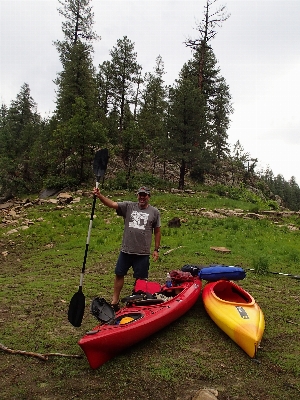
<point>258,51</point>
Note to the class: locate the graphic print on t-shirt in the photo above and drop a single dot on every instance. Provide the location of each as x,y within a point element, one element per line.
<point>138,220</point>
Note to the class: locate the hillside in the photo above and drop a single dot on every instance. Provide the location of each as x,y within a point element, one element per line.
<point>42,246</point>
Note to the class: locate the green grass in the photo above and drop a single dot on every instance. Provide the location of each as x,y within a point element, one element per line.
<point>41,272</point>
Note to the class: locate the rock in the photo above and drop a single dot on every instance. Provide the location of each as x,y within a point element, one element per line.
<point>53,201</point>
<point>206,394</point>
<point>189,191</point>
<point>254,216</point>
<point>278,200</point>
<point>292,227</point>
<point>229,213</point>
<point>87,194</point>
<point>174,223</point>
<point>173,190</point>
<point>12,231</point>
<point>211,214</point>
<point>5,205</point>
<point>48,193</point>
<point>6,198</point>
<point>13,213</point>
<point>64,198</point>
<point>221,249</point>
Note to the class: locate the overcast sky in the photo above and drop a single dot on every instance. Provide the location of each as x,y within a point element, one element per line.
<point>257,48</point>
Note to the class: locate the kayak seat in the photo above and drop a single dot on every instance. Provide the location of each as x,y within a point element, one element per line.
<point>241,295</point>
<point>145,286</point>
<point>102,310</point>
<point>127,318</point>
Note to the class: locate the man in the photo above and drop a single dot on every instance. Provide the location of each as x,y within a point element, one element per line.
<point>140,220</point>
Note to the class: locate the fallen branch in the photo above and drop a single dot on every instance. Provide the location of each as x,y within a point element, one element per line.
<point>169,251</point>
<point>63,355</point>
<point>40,356</point>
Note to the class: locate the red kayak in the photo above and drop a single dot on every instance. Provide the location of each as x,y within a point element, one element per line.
<point>142,316</point>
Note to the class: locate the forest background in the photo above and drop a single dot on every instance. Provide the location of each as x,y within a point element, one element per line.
<point>156,134</point>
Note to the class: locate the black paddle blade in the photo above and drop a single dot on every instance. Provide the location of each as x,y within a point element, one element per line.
<point>100,162</point>
<point>101,310</point>
<point>76,309</point>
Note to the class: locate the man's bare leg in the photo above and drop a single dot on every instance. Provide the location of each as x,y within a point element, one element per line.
<point>118,284</point>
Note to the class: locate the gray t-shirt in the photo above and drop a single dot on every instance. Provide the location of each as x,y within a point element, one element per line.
<point>139,225</point>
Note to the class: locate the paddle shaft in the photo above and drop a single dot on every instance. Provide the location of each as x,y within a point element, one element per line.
<point>276,273</point>
<point>77,303</point>
<point>99,168</point>
<point>88,238</point>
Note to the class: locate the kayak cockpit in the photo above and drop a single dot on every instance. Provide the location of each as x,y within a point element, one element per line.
<point>121,320</point>
<point>230,292</point>
<point>142,298</point>
<point>128,318</point>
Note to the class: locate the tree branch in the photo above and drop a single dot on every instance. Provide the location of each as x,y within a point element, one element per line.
<point>40,356</point>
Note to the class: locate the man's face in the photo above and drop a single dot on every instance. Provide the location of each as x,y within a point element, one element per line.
<point>143,200</point>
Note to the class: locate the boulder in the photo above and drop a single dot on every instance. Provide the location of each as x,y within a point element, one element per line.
<point>64,198</point>
<point>174,223</point>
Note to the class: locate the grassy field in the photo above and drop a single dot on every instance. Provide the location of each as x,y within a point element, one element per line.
<point>40,269</point>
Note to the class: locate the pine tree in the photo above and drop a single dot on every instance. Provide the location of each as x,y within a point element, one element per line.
<point>218,107</point>
<point>118,89</point>
<point>20,128</point>
<point>77,26</point>
<point>207,31</point>
<point>123,74</point>
<point>211,84</point>
<point>293,200</point>
<point>153,112</point>
<point>221,109</point>
<point>104,84</point>
<point>133,144</point>
<point>213,115</point>
<point>79,129</point>
<point>186,123</point>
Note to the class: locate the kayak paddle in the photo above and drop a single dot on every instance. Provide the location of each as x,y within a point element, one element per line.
<point>276,273</point>
<point>77,303</point>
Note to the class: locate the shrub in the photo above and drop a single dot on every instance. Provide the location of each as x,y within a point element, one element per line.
<point>261,265</point>
<point>60,182</point>
<point>137,180</point>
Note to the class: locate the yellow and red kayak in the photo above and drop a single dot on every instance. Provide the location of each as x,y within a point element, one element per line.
<point>236,312</point>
